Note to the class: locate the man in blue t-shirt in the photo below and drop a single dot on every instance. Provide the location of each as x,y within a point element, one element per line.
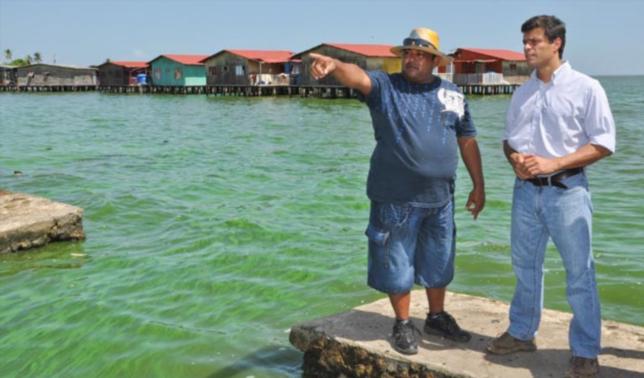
<point>419,122</point>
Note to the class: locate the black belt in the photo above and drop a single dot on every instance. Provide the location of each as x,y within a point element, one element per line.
<point>555,180</point>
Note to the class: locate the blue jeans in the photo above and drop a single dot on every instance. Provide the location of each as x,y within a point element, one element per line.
<point>565,215</point>
<point>410,244</point>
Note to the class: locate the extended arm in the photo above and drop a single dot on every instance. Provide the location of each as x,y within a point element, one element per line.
<point>349,75</point>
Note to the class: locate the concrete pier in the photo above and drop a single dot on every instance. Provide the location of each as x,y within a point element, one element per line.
<point>28,221</point>
<point>356,344</point>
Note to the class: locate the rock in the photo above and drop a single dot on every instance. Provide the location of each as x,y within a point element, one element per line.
<point>28,221</point>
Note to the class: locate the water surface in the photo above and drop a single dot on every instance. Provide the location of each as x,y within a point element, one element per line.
<point>214,224</point>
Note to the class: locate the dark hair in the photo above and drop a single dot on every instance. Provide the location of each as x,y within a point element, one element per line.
<point>552,26</point>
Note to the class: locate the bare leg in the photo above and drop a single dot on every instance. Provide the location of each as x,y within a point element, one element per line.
<point>400,303</point>
<point>436,299</point>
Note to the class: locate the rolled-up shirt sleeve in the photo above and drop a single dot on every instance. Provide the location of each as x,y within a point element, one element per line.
<point>510,119</point>
<point>599,124</point>
<point>465,126</point>
<point>378,79</point>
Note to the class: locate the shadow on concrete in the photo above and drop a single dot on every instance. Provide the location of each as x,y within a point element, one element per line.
<point>272,361</point>
<point>369,326</point>
<point>548,357</point>
<point>624,353</point>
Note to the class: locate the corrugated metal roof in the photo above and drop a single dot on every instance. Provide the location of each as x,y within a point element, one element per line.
<point>496,53</point>
<point>380,51</point>
<point>265,56</point>
<point>268,56</point>
<point>56,65</point>
<point>130,63</point>
<point>475,60</point>
<point>368,50</point>
<point>183,59</point>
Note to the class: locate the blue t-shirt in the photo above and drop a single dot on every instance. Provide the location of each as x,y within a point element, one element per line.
<point>416,127</point>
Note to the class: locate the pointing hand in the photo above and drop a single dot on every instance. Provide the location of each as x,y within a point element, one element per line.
<point>322,66</point>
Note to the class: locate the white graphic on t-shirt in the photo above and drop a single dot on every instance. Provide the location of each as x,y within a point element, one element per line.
<point>452,101</point>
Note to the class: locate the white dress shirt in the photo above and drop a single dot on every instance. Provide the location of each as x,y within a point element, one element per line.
<point>557,118</point>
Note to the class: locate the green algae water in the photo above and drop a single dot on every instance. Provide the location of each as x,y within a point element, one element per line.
<point>214,224</point>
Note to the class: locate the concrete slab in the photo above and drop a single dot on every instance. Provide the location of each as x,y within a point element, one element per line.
<point>28,221</point>
<point>356,343</point>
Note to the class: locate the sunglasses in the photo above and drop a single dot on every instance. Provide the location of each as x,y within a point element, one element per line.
<point>417,42</point>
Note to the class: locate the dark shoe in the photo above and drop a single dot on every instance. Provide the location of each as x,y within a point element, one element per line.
<point>506,344</point>
<point>443,324</point>
<point>583,368</point>
<point>404,337</point>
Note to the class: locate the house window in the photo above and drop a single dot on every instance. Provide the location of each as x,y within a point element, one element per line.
<point>177,74</point>
<point>213,71</point>
<point>157,73</point>
<point>239,70</point>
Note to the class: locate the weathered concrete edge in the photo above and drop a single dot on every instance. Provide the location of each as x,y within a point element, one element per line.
<point>67,227</point>
<point>366,351</point>
<point>326,356</point>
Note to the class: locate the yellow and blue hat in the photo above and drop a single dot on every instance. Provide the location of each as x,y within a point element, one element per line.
<point>423,39</point>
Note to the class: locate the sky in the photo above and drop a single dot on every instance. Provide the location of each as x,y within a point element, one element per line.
<point>603,37</point>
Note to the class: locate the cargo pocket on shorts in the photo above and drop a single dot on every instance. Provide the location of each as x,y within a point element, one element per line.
<point>385,218</point>
<point>377,236</point>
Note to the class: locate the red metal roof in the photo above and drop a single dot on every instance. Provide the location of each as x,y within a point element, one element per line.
<point>268,56</point>
<point>381,51</point>
<point>496,53</point>
<point>183,59</point>
<point>475,60</point>
<point>375,51</point>
<point>130,64</point>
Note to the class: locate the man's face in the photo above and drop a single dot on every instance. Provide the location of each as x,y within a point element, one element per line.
<point>417,65</point>
<point>537,49</point>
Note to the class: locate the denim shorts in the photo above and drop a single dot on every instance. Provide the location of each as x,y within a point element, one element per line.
<point>410,244</point>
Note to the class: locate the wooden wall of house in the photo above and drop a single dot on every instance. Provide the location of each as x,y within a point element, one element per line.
<point>496,66</point>
<point>478,67</point>
<point>346,56</point>
<point>227,69</point>
<point>167,72</point>
<point>374,63</point>
<point>230,69</point>
<point>7,76</point>
<point>110,74</point>
<point>194,75</point>
<point>44,75</point>
<point>516,68</point>
<point>390,65</point>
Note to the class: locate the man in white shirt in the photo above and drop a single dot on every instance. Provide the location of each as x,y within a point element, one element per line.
<point>558,123</point>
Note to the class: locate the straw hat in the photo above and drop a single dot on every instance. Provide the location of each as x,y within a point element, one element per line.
<point>423,39</point>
